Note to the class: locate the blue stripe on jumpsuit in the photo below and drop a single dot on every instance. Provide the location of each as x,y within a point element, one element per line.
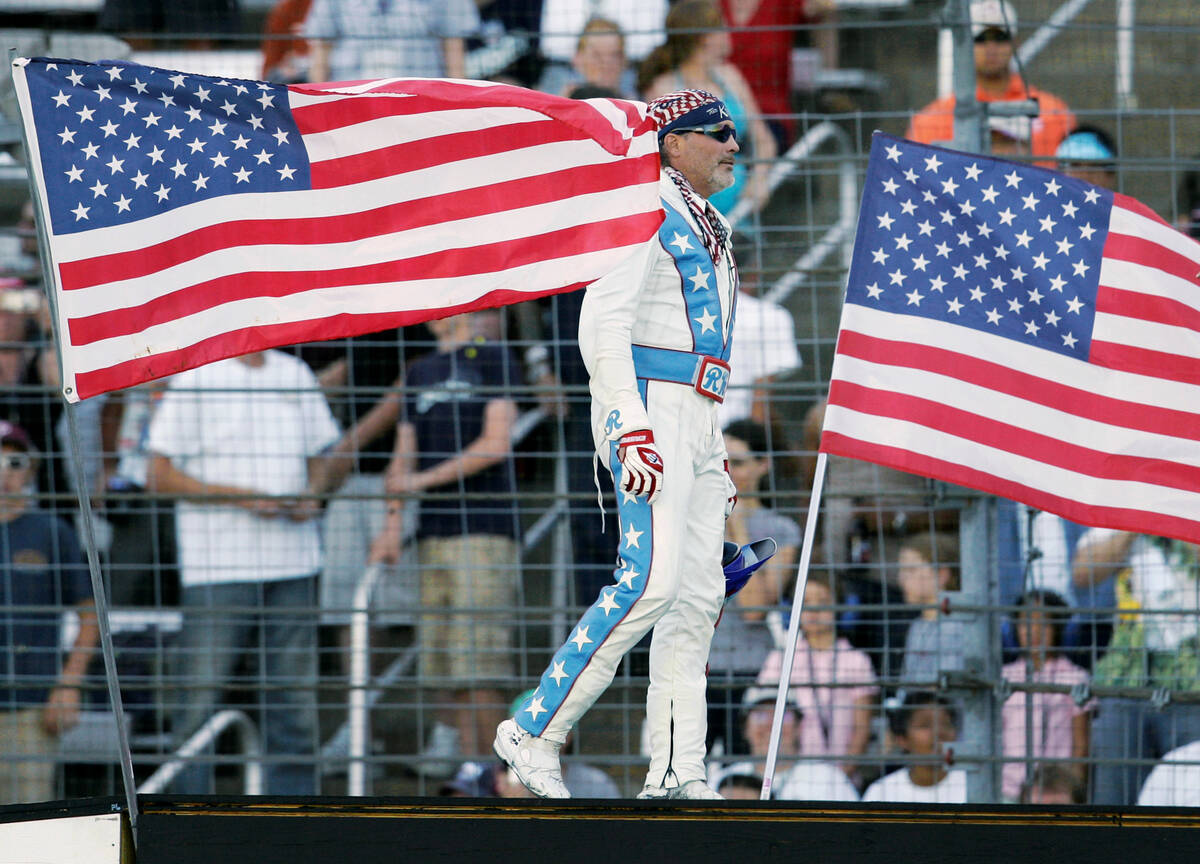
<point>700,295</point>
<point>611,607</point>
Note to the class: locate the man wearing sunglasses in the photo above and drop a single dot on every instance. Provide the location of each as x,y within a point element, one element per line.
<point>993,25</point>
<point>655,336</point>
<point>41,575</point>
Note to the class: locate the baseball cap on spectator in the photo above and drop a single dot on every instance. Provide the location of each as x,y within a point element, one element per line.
<point>1086,145</point>
<point>764,694</point>
<point>993,15</point>
<point>14,436</point>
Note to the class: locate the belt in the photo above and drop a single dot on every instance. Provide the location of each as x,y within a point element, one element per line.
<point>707,375</point>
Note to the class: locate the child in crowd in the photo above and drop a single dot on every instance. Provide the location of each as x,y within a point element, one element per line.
<point>1052,785</point>
<point>795,779</point>
<point>834,683</point>
<point>1042,726</point>
<point>922,725</point>
<point>929,565</point>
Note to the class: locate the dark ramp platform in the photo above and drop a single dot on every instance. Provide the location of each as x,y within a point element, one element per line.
<point>222,830</point>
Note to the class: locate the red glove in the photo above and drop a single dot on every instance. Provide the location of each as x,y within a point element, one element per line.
<point>731,501</point>
<point>642,464</point>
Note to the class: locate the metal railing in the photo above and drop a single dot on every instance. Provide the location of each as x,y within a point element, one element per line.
<point>250,748</point>
<point>364,693</point>
<point>840,235</point>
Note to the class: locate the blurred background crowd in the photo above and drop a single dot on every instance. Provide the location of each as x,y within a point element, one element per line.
<point>408,518</point>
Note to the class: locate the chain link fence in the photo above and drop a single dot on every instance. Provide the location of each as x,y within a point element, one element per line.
<point>955,646</point>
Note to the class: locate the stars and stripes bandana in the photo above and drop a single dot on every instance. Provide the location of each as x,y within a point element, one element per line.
<point>712,232</point>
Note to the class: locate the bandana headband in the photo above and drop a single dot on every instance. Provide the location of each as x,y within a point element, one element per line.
<point>686,109</point>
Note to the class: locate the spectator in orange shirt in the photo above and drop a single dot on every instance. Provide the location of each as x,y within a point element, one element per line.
<point>993,24</point>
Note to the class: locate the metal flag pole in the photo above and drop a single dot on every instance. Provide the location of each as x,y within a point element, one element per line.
<point>789,652</point>
<point>85,501</point>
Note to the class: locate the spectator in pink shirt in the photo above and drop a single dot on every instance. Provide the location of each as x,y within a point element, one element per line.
<point>1042,726</point>
<point>834,683</point>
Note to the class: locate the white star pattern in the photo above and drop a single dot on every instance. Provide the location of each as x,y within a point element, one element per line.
<point>143,116</point>
<point>699,279</point>
<point>536,707</point>
<point>607,603</point>
<point>1026,216</point>
<point>558,672</point>
<point>631,537</point>
<point>627,576</point>
<point>581,638</point>
<point>679,241</point>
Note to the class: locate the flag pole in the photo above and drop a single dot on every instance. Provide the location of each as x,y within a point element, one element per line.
<point>789,653</point>
<point>85,502</point>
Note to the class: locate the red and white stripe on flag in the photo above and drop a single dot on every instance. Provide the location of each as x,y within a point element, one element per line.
<point>191,218</point>
<point>1109,437</point>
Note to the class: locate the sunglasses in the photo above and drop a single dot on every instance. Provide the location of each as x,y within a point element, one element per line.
<point>15,461</point>
<point>993,35</point>
<point>719,133</point>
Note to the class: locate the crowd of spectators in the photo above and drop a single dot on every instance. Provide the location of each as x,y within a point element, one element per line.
<point>289,476</point>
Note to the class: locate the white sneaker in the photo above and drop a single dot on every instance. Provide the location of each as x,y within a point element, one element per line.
<point>652,793</point>
<point>442,755</point>
<point>694,790</point>
<point>534,760</point>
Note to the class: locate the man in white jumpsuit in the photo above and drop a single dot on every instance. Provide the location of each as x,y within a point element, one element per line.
<point>655,336</point>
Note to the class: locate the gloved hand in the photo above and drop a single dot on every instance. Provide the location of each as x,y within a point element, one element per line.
<point>642,464</point>
<point>731,501</point>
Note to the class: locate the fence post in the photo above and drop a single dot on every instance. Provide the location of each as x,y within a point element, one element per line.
<point>980,587</point>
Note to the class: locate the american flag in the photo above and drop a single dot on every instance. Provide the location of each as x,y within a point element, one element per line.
<point>1023,333</point>
<point>192,218</point>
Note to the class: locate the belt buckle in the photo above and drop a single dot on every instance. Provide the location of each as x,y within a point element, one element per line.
<point>712,379</point>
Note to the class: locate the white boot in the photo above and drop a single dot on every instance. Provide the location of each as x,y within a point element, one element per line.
<point>534,760</point>
<point>695,790</point>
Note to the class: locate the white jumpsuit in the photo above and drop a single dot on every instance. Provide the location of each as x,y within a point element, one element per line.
<point>654,334</point>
